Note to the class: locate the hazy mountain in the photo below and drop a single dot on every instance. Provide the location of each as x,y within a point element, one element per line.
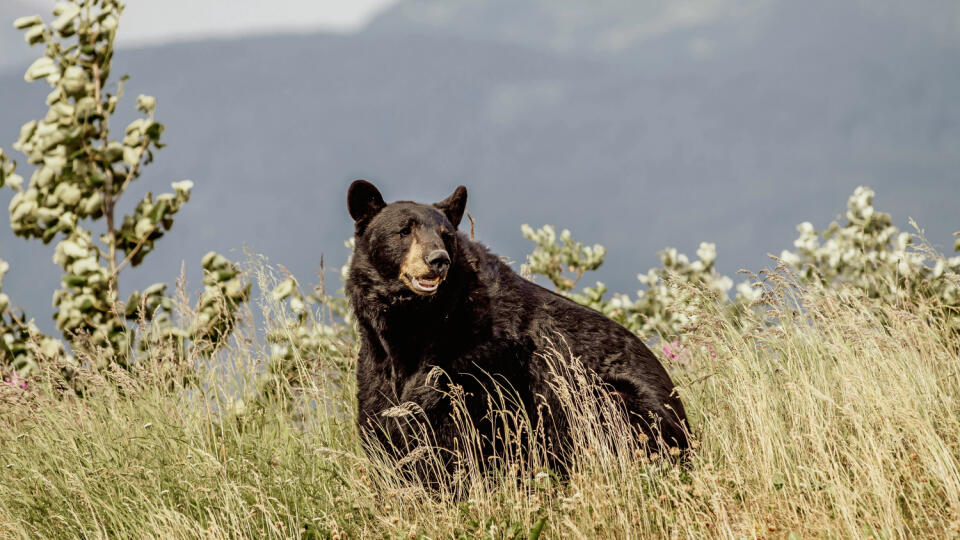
<point>651,28</point>
<point>732,128</point>
<point>570,26</point>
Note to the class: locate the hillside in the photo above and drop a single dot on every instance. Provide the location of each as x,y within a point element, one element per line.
<point>843,421</point>
<point>730,130</point>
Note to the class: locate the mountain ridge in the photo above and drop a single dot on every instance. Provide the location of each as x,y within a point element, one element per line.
<point>634,151</point>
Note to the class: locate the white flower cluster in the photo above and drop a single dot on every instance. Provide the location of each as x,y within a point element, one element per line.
<point>650,313</point>
<point>873,255</point>
<point>868,252</point>
<point>552,259</point>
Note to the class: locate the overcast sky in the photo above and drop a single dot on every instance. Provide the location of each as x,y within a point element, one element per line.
<point>158,21</point>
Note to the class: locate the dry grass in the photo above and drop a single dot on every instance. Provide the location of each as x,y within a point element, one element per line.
<point>842,420</point>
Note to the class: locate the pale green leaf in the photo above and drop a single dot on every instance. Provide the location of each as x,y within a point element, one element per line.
<point>66,13</point>
<point>183,186</point>
<point>34,35</point>
<point>131,156</point>
<point>27,22</point>
<point>146,103</point>
<point>40,68</point>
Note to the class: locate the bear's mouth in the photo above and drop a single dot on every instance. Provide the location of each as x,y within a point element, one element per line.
<point>425,285</point>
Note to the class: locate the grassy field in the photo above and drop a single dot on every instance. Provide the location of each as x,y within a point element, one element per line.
<point>841,420</point>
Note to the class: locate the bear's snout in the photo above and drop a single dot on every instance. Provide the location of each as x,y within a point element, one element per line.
<point>425,265</point>
<point>438,260</point>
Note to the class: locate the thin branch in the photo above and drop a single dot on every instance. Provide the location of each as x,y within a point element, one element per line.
<point>107,202</point>
<point>134,169</point>
<point>14,318</point>
<point>133,252</point>
<point>580,272</point>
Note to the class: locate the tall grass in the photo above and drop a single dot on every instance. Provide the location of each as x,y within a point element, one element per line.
<point>839,419</point>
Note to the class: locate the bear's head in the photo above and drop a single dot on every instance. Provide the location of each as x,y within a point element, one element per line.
<point>409,242</point>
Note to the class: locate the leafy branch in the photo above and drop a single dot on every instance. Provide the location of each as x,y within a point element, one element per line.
<point>80,176</point>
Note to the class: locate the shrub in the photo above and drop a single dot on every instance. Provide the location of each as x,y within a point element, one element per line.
<point>651,314</point>
<point>876,258</point>
<point>867,252</point>
<point>80,175</point>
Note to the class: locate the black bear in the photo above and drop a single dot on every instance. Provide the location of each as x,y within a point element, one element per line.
<point>426,296</point>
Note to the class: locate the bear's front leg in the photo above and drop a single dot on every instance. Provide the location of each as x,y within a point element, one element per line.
<point>434,429</point>
<point>427,413</point>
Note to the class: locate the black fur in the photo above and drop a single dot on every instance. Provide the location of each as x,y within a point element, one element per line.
<point>483,320</point>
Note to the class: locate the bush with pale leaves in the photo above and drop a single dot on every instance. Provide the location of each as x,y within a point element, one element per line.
<point>80,174</point>
<point>867,252</point>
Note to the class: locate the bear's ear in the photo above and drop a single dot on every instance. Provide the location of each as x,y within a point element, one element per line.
<point>363,200</point>
<point>454,205</point>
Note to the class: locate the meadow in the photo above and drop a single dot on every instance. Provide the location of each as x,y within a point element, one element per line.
<point>820,412</point>
<point>824,399</point>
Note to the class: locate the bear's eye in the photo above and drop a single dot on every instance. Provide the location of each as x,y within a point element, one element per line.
<point>404,231</point>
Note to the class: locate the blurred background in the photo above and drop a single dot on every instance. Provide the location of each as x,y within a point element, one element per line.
<point>637,124</point>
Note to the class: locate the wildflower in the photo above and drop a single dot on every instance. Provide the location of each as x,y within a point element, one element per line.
<point>14,379</point>
<point>672,350</point>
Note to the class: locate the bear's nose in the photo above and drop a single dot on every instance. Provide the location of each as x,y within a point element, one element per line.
<point>438,260</point>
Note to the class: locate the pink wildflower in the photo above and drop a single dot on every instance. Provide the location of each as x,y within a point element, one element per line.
<point>672,350</point>
<point>16,380</point>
